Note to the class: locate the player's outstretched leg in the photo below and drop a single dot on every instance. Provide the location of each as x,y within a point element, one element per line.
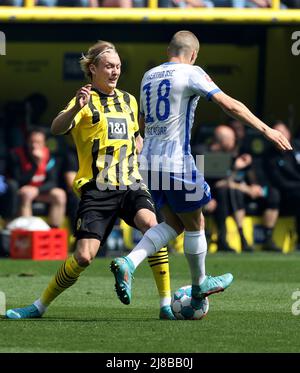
<point>211,285</point>
<point>65,277</point>
<point>123,269</point>
<point>29,312</point>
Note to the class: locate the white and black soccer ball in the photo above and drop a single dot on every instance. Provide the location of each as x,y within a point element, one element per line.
<point>182,308</point>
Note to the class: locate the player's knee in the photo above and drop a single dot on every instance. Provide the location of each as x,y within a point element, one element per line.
<point>195,224</point>
<point>25,195</point>
<point>86,251</point>
<point>147,224</point>
<point>84,258</point>
<point>58,196</point>
<point>144,220</point>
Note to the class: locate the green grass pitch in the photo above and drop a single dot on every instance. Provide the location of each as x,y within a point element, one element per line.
<point>253,315</point>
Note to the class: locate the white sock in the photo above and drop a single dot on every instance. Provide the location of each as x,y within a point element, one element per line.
<point>153,240</point>
<point>165,301</point>
<point>195,249</point>
<point>141,251</point>
<point>39,305</point>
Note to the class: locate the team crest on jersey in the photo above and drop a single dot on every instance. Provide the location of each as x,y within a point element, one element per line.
<point>208,78</point>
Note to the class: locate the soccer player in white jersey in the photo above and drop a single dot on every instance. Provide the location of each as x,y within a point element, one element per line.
<point>169,96</point>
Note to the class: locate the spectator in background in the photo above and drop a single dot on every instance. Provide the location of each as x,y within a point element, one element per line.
<point>249,3</point>
<point>247,181</point>
<point>284,172</point>
<point>240,132</point>
<point>185,4</point>
<point>267,197</point>
<point>257,187</point>
<point>73,3</point>
<point>116,3</point>
<point>66,3</point>
<point>227,198</point>
<point>35,172</point>
<point>252,3</point>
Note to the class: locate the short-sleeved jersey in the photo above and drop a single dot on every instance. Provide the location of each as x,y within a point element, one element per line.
<point>168,99</point>
<point>104,133</point>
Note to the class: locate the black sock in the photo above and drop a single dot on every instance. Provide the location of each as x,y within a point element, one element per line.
<point>244,242</point>
<point>241,233</point>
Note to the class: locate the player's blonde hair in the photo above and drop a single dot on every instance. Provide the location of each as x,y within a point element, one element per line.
<point>183,43</point>
<point>94,54</point>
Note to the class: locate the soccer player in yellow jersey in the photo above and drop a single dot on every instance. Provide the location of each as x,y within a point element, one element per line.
<point>103,123</point>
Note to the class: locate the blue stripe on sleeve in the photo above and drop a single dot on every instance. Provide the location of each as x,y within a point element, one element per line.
<point>211,93</point>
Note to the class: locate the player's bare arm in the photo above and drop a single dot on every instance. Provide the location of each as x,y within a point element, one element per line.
<point>239,111</point>
<point>139,143</point>
<point>64,120</point>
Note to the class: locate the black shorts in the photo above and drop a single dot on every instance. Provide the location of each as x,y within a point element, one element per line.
<point>99,210</point>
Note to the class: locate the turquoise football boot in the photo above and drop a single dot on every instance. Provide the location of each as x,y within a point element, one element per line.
<point>166,313</point>
<point>123,269</point>
<point>29,312</point>
<point>211,285</point>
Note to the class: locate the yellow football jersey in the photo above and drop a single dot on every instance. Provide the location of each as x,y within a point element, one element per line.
<point>104,133</point>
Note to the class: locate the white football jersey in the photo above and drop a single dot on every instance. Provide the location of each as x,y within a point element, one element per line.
<point>168,99</point>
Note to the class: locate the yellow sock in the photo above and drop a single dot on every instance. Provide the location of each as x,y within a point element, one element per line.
<point>65,277</point>
<point>159,264</point>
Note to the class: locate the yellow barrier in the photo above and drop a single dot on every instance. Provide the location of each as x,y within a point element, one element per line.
<point>148,15</point>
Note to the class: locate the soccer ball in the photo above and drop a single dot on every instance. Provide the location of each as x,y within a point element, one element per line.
<point>182,308</point>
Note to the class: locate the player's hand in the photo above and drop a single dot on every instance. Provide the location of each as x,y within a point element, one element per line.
<point>278,139</point>
<point>256,191</point>
<point>242,161</point>
<point>83,96</point>
<point>223,183</point>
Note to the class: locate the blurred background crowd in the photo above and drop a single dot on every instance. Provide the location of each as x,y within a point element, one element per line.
<point>161,3</point>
